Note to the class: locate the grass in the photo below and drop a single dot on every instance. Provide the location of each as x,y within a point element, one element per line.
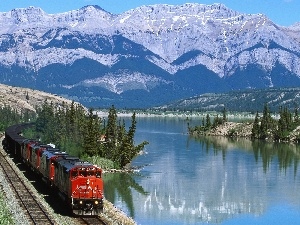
<point>5,216</point>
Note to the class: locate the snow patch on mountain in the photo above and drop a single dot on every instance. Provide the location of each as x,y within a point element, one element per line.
<point>122,80</point>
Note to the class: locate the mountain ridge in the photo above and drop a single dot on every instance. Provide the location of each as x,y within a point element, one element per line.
<point>152,47</point>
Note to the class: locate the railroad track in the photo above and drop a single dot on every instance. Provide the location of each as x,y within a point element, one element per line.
<point>35,212</point>
<point>90,221</point>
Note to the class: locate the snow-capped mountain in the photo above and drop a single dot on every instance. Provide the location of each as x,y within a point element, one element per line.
<point>146,56</point>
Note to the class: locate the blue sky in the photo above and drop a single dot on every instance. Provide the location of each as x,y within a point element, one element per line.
<point>282,12</point>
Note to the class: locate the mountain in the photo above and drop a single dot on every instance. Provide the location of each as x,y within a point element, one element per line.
<point>146,56</point>
<point>240,101</point>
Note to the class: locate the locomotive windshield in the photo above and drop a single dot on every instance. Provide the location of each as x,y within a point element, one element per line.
<point>85,172</point>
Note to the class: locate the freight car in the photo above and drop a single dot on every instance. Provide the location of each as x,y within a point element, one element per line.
<point>78,183</point>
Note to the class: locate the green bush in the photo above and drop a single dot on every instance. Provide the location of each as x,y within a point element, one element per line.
<point>101,162</point>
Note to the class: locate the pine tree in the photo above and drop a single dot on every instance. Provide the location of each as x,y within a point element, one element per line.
<point>215,121</point>
<point>121,155</point>
<point>296,116</point>
<point>203,122</point>
<point>61,126</point>
<point>91,135</point>
<point>285,124</point>
<point>129,149</point>
<point>44,123</point>
<point>208,123</point>
<point>130,138</point>
<point>27,96</point>
<point>71,119</point>
<point>224,112</point>
<point>255,128</point>
<point>266,122</point>
<point>111,133</point>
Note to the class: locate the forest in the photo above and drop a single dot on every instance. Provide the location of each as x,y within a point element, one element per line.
<point>80,132</point>
<point>9,116</point>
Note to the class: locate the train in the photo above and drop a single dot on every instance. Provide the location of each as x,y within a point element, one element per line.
<point>78,183</point>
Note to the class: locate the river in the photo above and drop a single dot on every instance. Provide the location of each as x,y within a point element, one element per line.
<point>182,180</point>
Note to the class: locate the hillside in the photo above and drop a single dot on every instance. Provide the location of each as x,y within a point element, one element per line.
<point>20,98</point>
<point>240,101</point>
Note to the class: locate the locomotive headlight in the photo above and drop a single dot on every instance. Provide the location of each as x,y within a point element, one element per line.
<point>80,202</point>
<point>96,202</point>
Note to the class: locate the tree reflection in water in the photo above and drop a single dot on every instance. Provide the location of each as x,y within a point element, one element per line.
<point>121,185</point>
<point>286,154</point>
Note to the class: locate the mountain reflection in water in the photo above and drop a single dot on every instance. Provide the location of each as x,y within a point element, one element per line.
<point>206,180</point>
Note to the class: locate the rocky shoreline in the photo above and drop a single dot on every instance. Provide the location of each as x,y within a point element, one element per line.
<point>233,129</point>
<point>229,129</point>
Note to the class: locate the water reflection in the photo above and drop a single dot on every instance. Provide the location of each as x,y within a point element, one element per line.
<point>285,154</point>
<point>120,185</point>
<point>207,180</point>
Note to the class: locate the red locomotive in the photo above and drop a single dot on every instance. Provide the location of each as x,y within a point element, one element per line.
<point>77,182</point>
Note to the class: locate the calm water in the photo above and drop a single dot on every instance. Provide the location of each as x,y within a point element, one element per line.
<point>207,181</point>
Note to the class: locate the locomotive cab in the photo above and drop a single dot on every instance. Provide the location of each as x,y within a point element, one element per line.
<point>87,190</point>
<point>81,184</point>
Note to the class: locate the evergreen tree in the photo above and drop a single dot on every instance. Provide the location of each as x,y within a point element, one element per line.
<point>71,118</point>
<point>285,124</point>
<point>129,141</point>
<point>255,129</point>
<point>61,128</point>
<point>203,122</point>
<point>45,121</point>
<point>27,96</point>
<point>217,121</point>
<point>296,116</point>
<point>208,123</point>
<point>224,112</point>
<point>266,122</point>
<point>122,149</point>
<point>91,135</point>
<point>111,133</point>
